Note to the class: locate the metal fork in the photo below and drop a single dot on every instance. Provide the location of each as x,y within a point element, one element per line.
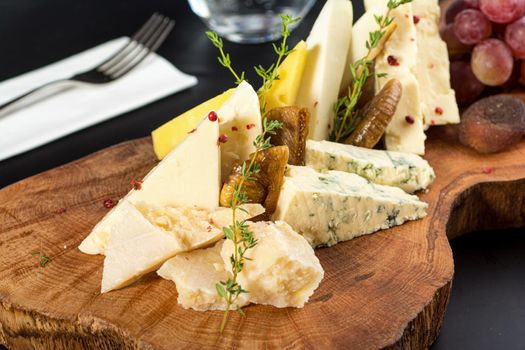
<point>145,41</point>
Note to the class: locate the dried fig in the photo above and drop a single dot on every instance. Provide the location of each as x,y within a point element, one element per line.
<point>493,124</point>
<point>376,116</point>
<point>267,182</point>
<point>293,132</point>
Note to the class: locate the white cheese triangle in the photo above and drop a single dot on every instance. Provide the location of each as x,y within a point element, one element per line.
<point>188,176</point>
<point>328,45</point>
<point>195,275</point>
<point>146,236</point>
<point>240,121</point>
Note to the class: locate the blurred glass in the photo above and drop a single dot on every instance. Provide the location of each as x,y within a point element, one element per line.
<point>249,21</point>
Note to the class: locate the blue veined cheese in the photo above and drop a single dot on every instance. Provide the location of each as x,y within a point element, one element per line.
<point>407,171</point>
<point>327,208</point>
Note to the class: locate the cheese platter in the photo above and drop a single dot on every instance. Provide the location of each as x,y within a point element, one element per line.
<point>266,218</point>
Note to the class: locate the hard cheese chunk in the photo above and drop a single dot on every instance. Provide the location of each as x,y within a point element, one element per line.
<point>407,171</point>
<point>283,270</point>
<point>195,275</point>
<point>147,236</point>
<point>405,133</point>
<point>169,135</point>
<point>283,91</point>
<point>188,176</point>
<point>328,45</point>
<point>240,121</point>
<point>438,100</point>
<point>327,208</point>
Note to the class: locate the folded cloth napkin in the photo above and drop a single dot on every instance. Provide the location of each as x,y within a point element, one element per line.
<point>80,107</point>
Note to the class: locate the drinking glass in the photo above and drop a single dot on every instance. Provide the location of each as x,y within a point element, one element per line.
<point>249,21</point>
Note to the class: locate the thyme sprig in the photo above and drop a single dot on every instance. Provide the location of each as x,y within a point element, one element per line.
<point>239,232</point>
<point>224,58</point>
<point>270,74</point>
<point>44,259</point>
<point>346,117</point>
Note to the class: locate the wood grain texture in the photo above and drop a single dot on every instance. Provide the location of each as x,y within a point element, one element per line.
<point>385,290</point>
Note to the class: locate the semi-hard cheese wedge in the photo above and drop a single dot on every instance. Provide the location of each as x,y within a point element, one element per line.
<point>283,270</point>
<point>169,135</point>
<point>283,91</point>
<point>146,236</point>
<point>328,45</point>
<point>240,122</point>
<point>438,100</point>
<point>195,275</point>
<point>407,171</point>
<point>327,208</point>
<point>405,133</point>
<point>188,176</point>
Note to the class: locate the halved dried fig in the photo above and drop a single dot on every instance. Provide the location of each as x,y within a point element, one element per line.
<point>267,182</point>
<point>293,132</point>
<point>376,116</point>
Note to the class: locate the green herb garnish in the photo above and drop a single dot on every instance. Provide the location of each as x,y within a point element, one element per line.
<point>44,259</point>
<point>346,117</point>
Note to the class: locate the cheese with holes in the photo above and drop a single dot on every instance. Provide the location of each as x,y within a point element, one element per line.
<point>407,171</point>
<point>328,45</point>
<point>327,208</point>
<point>398,60</point>
<point>283,91</point>
<point>169,135</point>
<point>240,121</point>
<point>195,275</point>
<point>283,270</point>
<point>188,176</point>
<point>147,236</point>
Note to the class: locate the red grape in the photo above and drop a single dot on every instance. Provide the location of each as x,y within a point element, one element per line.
<point>503,11</point>
<point>468,88</point>
<point>455,47</point>
<point>515,37</point>
<point>471,26</point>
<point>455,8</point>
<point>492,62</point>
<point>472,3</point>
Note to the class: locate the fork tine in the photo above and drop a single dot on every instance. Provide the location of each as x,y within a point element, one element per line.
<point>136,48</point>
<point>138,35</point>
<point>150,46</point>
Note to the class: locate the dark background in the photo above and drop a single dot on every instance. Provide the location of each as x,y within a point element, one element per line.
<point>487,310</point>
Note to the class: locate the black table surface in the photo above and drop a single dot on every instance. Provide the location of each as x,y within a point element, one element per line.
<point>487,309</point>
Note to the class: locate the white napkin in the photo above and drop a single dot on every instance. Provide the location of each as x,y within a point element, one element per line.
<point>78,108</point>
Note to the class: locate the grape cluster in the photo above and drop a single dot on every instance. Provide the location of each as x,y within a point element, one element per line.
<point>486,44</point>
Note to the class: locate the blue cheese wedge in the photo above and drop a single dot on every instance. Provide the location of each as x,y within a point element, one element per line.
<point>195,275</point>
<point>283,270</point>
<point>407,171</point>
<point>327,208</point>
<point>147,236</point>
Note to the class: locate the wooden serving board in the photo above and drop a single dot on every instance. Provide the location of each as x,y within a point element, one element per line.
<point>385,290</point>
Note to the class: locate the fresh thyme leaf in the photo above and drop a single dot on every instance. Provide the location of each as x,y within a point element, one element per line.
<point>346,117</point>
<point>220,290</point>
<point>224,58</point>
<point>44,259</point>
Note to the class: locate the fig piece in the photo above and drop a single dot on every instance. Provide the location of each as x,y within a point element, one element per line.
<point>376,116</point>
<point>266,184</point>
<point>493,124</point>
<point>293,133</point>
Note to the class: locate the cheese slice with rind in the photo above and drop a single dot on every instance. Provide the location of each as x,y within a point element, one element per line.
<point>188,176</point>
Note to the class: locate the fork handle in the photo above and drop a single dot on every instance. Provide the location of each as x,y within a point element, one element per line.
<point>37,94</point>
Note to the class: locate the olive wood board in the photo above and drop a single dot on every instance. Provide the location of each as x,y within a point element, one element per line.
<point>389,289</point>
